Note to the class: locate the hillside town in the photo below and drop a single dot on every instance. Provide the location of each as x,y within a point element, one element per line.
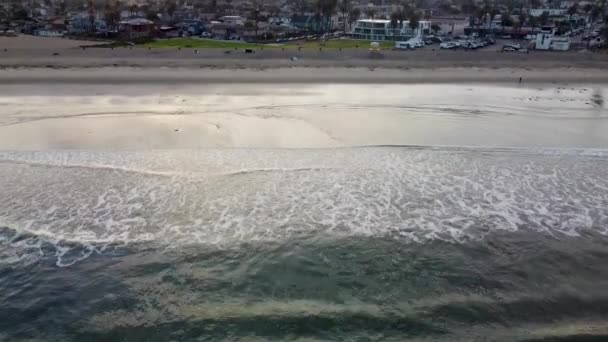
<point>453,24</point>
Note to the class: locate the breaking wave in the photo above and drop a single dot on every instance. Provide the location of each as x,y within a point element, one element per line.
<point>73,204</point>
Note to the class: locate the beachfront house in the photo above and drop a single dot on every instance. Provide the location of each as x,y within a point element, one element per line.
<point>81,23</point>
<point>136,28</point>
<point>229,26</point>
<point>192,27</point>
<point>381,29</point>
<point>305,22</point>
<point>551,12</point>
<point>547,40</point>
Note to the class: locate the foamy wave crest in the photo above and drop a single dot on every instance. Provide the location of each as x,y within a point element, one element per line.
<point>224,197</point>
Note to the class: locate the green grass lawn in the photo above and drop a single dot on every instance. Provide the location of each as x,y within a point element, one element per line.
<point>222,44</point>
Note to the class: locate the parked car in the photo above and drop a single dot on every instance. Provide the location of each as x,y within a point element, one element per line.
<point>9,33</point>
<point>404,45</point>
<point>513,47</point>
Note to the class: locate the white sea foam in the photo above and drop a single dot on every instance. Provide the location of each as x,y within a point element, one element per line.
<point>81,202</point>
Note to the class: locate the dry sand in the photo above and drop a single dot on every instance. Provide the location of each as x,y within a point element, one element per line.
<point>27,42</point>
<point>182,75</point>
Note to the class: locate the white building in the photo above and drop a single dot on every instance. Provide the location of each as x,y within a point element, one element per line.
<point>232,20</point>
<point>376,29</point>
<point>546,40</point>
<point>553,12</point>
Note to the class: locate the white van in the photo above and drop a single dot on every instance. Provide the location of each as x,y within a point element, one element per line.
<point>404,45</point>
<point>410,44</point>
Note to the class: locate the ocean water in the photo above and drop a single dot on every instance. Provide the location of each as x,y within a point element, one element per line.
<point>379,243</point>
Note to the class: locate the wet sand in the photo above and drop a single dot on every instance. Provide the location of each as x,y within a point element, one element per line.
<point>119,108</point>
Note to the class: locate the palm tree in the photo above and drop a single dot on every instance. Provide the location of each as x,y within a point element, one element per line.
<point>324,10</point>
<point>544,18</point>
<point>256,20</point>
<point>401,16</point>
<point>112,13</point>
<point>435,28</point>
<point>353,15</point>
<point>506,19</point>
<point>522,20</point>
<point>394,22</point>
<point>92,15</point>
<point>414,20</point>
<point>427,15</point>
<point>572,10</point>
<point>587,8</point>
<point>345,6</point>
<point>170,7</point>
<point>133,9</point>
<point>61,9</point>
<point>533,23</point>
<point>478,14</point>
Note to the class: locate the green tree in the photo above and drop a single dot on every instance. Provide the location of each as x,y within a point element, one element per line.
<point>435,28</point>
<point>370,13</point>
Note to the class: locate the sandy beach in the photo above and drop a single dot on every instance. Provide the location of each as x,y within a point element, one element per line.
<point>299,74</point>
<point>426,195</point>
<point>68,97</point>
<point>135,108</point>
